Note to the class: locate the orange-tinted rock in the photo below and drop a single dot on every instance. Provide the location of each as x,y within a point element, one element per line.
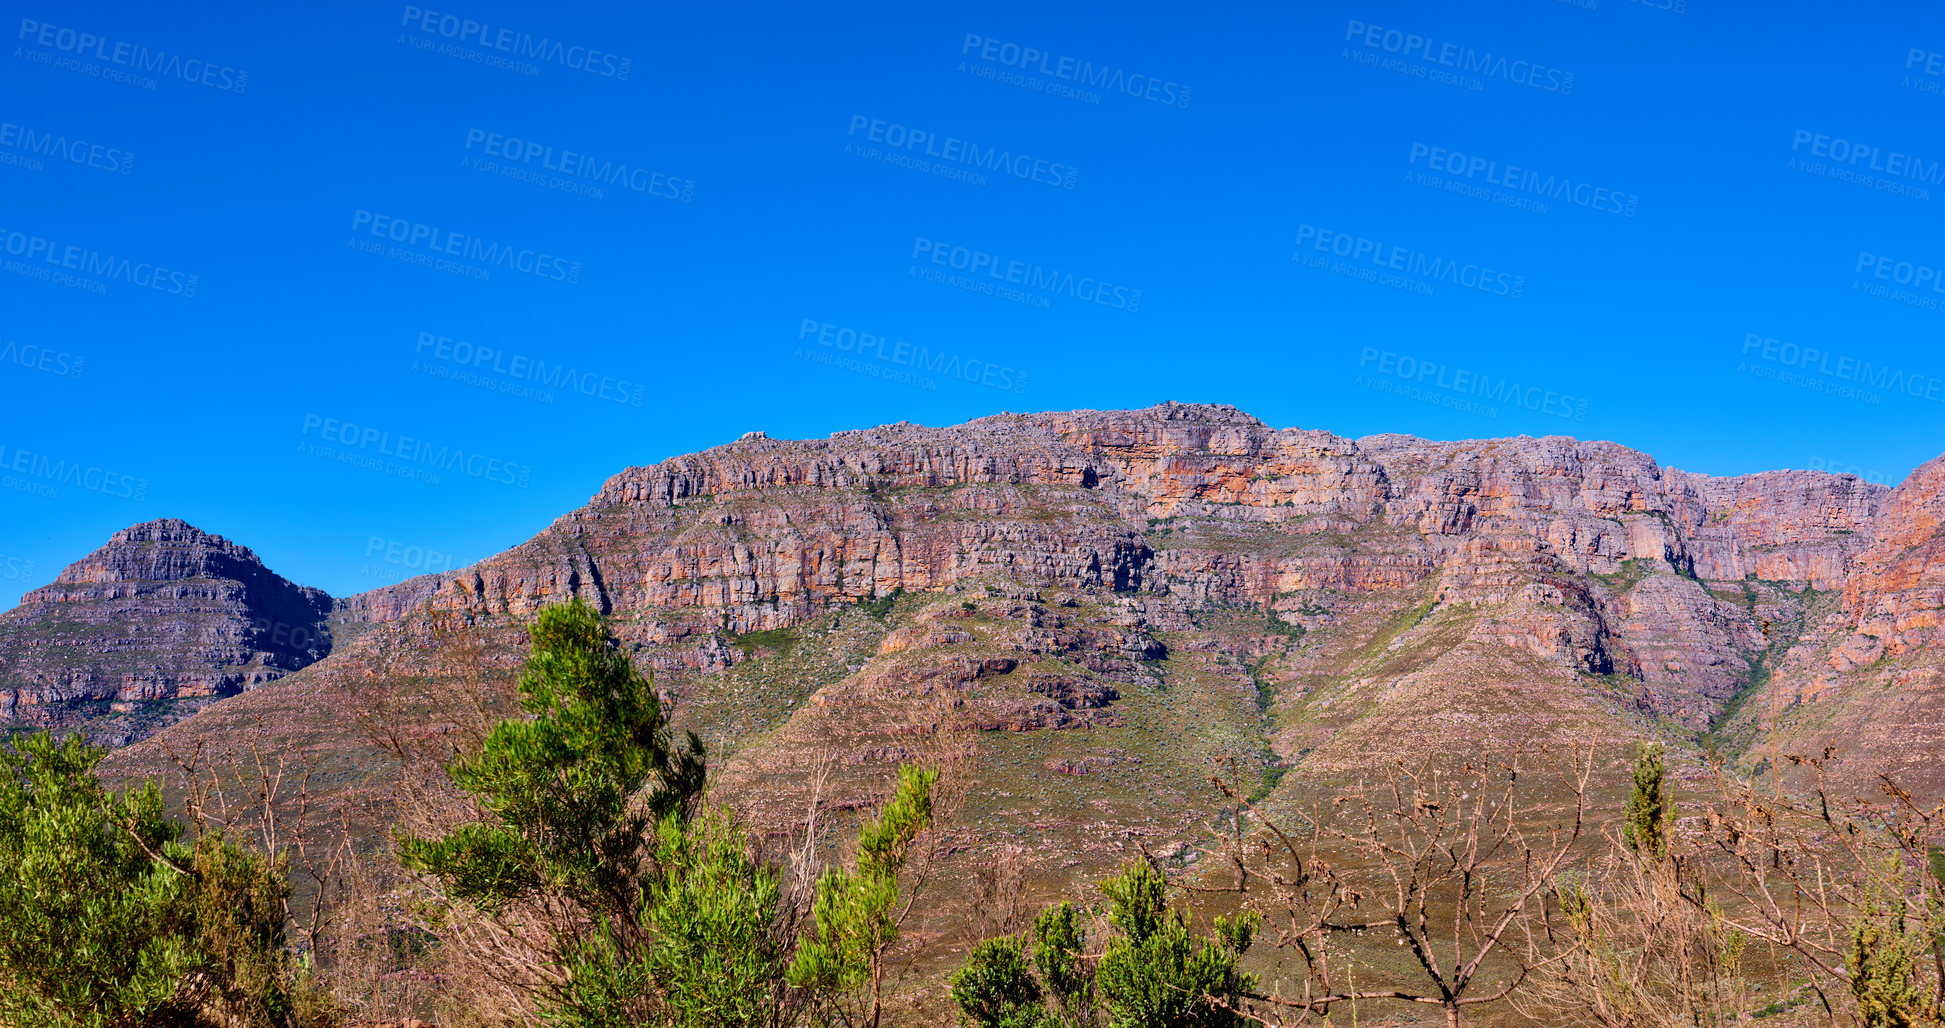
<point>1896,597</point>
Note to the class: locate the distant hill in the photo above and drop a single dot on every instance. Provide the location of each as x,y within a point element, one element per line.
<point>160,620</point>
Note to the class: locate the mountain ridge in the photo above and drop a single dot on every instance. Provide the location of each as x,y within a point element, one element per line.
<point>1724,609</point>
<point>1087,614</point>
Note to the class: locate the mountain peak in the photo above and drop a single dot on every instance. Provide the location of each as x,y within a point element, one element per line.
<point>164,612</point>
<point>166,530</point>
<point>163,550</point>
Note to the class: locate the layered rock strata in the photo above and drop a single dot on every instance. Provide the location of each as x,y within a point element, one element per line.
<point>163,611</point>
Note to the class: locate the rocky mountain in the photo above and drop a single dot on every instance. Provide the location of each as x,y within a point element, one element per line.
<point>157,622</point>
<point>1088,612</point>
<point>1085,615</point>
<point>1866,677</point>
<point>1586,556</point>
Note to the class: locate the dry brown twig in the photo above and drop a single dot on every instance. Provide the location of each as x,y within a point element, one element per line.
<point>1457,868</point>
<point>277,816</point>
<point>1798,873</point>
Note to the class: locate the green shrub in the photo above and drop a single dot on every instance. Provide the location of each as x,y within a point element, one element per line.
<point>657,911</point>
<point>107,917</point>
<point>842,961</point>
<point>569,797</point>
<point>1156,974</point>
<point>716,955</point>
<point>239,900</point>
<point>1058,945</point>
<point>1651,810</point>
<point>1883,962</point>
<point>94,930</point>
<point>1153,974</point>
<point>996,988</point>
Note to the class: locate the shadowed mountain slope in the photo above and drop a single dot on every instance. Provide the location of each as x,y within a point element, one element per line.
<point>155,623</point>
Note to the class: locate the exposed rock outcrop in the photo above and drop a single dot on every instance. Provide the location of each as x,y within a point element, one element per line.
<point>1896,597</point>
<point>1113,536</point>
<point>162,611</point>
<point>1590,554</point>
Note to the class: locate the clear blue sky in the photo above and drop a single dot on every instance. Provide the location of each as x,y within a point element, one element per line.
<point>1366,216</point>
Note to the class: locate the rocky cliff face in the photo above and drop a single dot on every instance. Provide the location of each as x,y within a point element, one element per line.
<point>1588,555</point>
<point>163,611</point>
<point>1861,669</point>
<point>1088,611</point>
<point>1895,600</point>
<point>1344,596</point>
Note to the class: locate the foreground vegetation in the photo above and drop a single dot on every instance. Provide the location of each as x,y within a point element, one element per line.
<point>566,867</point>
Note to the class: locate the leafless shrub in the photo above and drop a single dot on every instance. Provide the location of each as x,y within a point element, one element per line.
<point>999,904</point>
<point>1456,869</point>
<point>1648,955</point>
<point>1765,901</point>
<point>264,799</point>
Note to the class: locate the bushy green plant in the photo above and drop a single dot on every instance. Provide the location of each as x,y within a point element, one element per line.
<point>996,988</point>
<point>1883,965</point>
<point>716,955</point>
<point>94,929</point>
<point>567,800</point>
<point>239,903</point>
<point>1058,944</point>
<point>655,911</point>
<point>1156,974</point>
<point>108,917</point>
<point>557,790</point>
<point>842,961</point>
